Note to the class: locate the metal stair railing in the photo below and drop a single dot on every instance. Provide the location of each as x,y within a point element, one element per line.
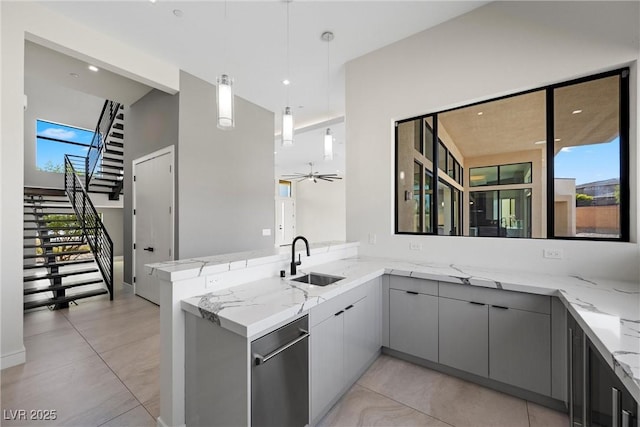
<point>94,230</point>
<point>105,122</point>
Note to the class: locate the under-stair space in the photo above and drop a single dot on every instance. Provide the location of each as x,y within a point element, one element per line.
<point>59,266</point>
<point>108,176</point>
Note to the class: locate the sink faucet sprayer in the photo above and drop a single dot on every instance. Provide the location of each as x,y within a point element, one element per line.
<point>293,253</point>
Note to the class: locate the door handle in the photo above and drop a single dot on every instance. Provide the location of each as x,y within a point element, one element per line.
<point>150,249</point>
<point>260,359</point>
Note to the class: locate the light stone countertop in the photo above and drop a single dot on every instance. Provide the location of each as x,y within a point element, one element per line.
<point>607,310</point>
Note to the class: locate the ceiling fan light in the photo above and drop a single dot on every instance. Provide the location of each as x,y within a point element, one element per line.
<point>287,127</point>
<point>328,145</point>
<point>225,102</point>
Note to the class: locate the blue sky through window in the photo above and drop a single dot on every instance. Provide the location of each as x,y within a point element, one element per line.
<point>589,163</point>
<point>50,154</point>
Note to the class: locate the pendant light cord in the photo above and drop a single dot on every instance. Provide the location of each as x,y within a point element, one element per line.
<point>288,52</point>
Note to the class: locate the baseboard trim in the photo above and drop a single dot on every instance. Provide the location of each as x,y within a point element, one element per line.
<point>531,396</point>
<point>163,424</point>
<point>128,284</point>
<point>13,359</point>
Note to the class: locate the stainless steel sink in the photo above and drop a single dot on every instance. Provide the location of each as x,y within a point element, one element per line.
<point>317,279</point>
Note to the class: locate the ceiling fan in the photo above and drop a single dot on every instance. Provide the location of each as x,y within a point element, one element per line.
<point>312,176</point>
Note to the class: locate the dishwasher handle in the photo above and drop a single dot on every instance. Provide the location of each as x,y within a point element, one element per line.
<point>260,359</point>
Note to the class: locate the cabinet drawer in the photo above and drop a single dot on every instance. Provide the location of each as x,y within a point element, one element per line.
<point>510,299</point>
<point>422,286</point>
<point>328,308</point>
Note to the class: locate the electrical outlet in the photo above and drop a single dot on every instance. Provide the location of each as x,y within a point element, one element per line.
<point>210,282</point>
<point>415,246</point>
<point>266,232</point>
<point>372,238</point>
<point>552,253</point>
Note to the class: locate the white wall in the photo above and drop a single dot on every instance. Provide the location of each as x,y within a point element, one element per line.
<point>321,210</point>
<point>498,49</point>
<point>22,20</point>
<point>51,102</point>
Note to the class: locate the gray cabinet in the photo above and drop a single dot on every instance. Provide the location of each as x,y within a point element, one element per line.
<point>413,323</point>
<point>326,362</point>
<point>464,335</point>
<point>520,348</point>
<point>345,337</point>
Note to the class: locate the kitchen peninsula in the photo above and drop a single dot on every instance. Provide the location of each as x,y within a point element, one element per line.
<point>242,294</point>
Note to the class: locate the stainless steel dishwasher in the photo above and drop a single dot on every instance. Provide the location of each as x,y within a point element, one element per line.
<point>280,377</point>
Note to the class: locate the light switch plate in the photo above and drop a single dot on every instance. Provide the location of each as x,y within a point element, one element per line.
<point>266,232</point>
<point>415,246</point>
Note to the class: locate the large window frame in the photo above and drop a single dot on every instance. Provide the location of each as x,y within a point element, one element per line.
<point>624,125</point>
<point>64,142</point>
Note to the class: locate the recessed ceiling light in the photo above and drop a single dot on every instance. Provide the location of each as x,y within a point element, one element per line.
<point>558,139</point>
<point>576,112</point>
<point>178,13</point>
<point>286,82</point>
<point>153,1</point>
<point>76,75</point>
<point>93,68</point>
<point>480,113</point>
<point>540,142</point>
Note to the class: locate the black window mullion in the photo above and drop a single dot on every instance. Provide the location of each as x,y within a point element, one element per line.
<point>550,165</point>
<point>436,173</point>
<point>625,203</point>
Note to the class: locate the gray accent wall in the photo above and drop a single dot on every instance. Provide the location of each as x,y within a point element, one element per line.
<point>225,196</point>
<point>112,219</point>
<point>151,124</point>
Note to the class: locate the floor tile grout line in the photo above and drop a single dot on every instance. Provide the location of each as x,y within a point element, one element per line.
<point>404,404</point>
<point>114,373</point>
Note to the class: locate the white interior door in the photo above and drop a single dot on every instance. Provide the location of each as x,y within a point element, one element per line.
<point>153,218</point>
<point>285,221</point>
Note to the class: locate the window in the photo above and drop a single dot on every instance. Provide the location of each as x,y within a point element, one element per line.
<point>547,163</point>
<point>54,140</point>
<point>519,173</point>
<point>284,188</point>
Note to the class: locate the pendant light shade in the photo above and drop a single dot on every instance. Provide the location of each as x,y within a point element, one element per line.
<point>225,102</point>
<point>287,127</point>
<point>328,145</point>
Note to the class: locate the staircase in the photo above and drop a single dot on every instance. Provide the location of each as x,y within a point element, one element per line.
<point>59,266</point>
<point>108,175</point>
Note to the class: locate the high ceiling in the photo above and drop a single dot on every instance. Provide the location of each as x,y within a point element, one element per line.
<point>250,43</point>
<point>585,113</point>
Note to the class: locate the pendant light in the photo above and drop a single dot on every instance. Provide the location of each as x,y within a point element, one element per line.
<point>287,115</point>
<point>327,36</point>
<point>224,95</point>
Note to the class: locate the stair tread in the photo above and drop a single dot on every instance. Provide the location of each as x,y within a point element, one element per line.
<point>57,264</point>
<point>95,184</point>
<point>57,254</point>
<point>35,277</point>
<point>36,290</point>
<point>51,301</point>
<point>51,212</point>
<point>116,144</point>
<point>52,228</point>
<point>117,167</point>
<point>55,245</point>
<point>38,191</point>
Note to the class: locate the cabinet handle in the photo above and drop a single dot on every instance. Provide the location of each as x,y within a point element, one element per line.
<point>615,407</point>
<point>339,313</point>
<point>349,307</point>
<point>476,303</point>
<point>412,292</point>
<point>500,307</point>
<point>626,418</point>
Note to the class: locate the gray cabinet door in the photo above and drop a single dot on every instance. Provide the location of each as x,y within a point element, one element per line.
<point>326,363</point>
<point>359,332</point>
<point>520,348</point>
<point>464,335</point>
<point>413,324</point>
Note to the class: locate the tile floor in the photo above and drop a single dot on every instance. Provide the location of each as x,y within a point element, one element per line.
<point>398,393</point>
<point>97,364</point>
